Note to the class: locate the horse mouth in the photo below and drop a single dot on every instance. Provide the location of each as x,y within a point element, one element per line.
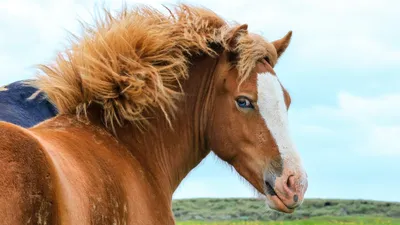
<point>274,201</point>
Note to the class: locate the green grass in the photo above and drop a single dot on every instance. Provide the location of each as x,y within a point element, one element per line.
<point>255,210</point>
<point>313,221</point>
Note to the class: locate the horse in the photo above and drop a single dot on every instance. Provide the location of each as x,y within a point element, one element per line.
<point>17,107</point>
<point>143,97</point>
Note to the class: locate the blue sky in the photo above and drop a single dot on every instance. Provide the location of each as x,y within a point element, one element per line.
<point>342,70</point>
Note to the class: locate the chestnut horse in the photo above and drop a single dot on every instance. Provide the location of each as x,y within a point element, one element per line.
<point>143,98</point>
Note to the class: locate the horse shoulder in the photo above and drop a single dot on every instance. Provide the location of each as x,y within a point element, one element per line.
<point>27,195</point>
<point>97,180</point>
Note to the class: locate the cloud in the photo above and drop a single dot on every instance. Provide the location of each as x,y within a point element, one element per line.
<point>339,34</point>
<point>378,119</point>
<point>382,141</point>
<point>314,129</point>
<point>349,51</point>
<point>370,110</point>
<point>371,124</point>
<point>32,32</point>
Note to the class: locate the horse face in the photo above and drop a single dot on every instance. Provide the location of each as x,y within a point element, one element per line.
<point>250,132</point>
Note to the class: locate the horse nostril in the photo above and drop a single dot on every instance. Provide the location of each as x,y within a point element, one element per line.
<point>296,198</point>
<point>291,183</point>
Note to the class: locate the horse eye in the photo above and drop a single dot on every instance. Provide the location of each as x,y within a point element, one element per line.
<point>266,58</point>
<point>244,103</point>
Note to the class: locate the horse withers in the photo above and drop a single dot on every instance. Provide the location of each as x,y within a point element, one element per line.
<point>143,98</point>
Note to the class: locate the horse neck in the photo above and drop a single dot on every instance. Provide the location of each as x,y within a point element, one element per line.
<point>169,154</point>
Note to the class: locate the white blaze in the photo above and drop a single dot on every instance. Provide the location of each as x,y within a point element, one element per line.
<point>271,103</point>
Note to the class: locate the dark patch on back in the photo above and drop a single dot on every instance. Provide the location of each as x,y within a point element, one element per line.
<point>17,109</point>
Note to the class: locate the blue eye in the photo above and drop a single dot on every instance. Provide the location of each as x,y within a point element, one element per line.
<point>244,102</point>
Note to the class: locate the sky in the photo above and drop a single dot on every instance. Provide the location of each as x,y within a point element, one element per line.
<point>342,70</point>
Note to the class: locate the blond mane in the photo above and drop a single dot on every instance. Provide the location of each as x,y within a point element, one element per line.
<point>130,63</point>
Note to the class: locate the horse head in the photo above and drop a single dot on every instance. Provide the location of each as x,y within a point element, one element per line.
<point>249,125</point>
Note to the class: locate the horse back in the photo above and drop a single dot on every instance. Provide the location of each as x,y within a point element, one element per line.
<point>26,195</point>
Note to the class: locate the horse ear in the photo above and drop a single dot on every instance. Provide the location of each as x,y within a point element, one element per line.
<point>232,38</point>
<point>282,44</point>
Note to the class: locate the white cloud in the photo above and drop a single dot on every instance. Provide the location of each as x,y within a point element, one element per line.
<point>378,118</point>
<point>31,32</point>
<point>369,109</point>
<point>383,141</point>
<point>9,67</point>
<point>314,129</point>
<point>349,51</point>
<point>335,34</point>
<point>373,123</point>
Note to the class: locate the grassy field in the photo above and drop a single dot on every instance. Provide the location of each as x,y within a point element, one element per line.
<point>313,221</point>
<point>313,211</point>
